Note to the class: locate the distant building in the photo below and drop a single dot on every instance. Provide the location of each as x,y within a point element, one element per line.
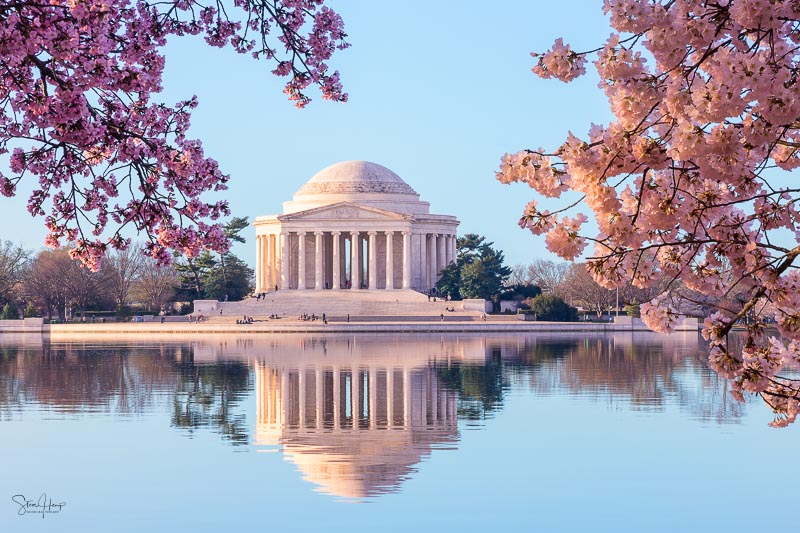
<point>354,225</point>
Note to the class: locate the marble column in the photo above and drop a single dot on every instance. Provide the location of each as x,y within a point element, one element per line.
<point>389,260</point>
<point>318,263</point>
<point>284,260</point>
<point>373,260</point>
<point>284,399</point>
<point>266,265</point>
<point>449,250</point>
<point>268,275</point>
<point>421,262</point>
<point>453,247</point>
<point>301,398</point>
<point>389,397</point>
<point>431,261</point>
<point>406,259</point>
<point>337,392</point>
<point>406,398</point>
<point>441,258</point>
<point>271,282</point>
<point>373,398</point>
<point>319,388</point>
<point>434,398</point>
<point>259,262</point>
<point>355,396</point>
<point>274,395</point>
<point>355,280</point>
<point>301,260</point>
<point>337,262</point>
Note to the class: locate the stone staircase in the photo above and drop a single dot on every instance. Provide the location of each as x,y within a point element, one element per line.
<point>361,304</point>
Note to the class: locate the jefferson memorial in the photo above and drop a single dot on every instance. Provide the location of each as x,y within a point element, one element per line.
<point>353,225</point>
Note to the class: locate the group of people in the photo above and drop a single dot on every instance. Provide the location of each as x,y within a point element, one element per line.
<point>312,317</point>
<point>261,296</point>
<point>198,318</point>
<point>433,294</point>
<point>245,320</point>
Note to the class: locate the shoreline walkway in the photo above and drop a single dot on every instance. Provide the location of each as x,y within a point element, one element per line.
<point>335,325</point>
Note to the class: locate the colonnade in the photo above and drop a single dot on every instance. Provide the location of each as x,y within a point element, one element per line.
<point>360,398</point>
<point>354,259</point>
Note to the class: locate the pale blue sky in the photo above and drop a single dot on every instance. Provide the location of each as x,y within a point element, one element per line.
<point>438,92</point>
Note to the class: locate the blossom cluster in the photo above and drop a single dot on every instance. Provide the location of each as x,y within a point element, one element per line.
<point>690,182</point>
<point>659,315</point>
<point>560,62</point>
<point>77,112</point>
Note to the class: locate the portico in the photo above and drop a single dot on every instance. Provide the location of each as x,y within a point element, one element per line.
<point>354,225</point>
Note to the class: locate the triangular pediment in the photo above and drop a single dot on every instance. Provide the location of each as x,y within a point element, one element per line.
<point>344,211</point>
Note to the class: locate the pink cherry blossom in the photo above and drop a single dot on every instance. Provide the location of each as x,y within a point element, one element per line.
<point>659,316</point>
<point>690,181</point>
<point>78,114</point>
<point>559,62</point>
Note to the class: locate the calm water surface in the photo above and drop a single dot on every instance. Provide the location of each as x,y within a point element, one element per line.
<point>384,433</point>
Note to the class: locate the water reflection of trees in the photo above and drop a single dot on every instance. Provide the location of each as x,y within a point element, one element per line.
<point>480,388</point>
<point>646,374</point>
<point>207,396</point>
<point>127,381</point>
<point>202,385</point>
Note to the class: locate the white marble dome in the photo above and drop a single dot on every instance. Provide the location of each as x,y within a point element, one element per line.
<point>355,177</point>
<point>360,182</point>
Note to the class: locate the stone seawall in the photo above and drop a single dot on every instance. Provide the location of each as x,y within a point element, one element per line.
<point>294,326</point>
<point>297,326</point>
<point>25,325</point>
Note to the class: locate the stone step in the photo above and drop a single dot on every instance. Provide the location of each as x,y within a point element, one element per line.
<point>336,303</point>
<point>450,317</point>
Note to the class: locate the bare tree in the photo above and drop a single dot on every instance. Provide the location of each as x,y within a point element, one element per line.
<point>156,285</point>
<point>519,276</point>
<point>87,288</point>
<point>579,288</point>
<point>44,282</point>
<point>123,268</point>
<point>56,282</point>
<point>548,275</point>
<point>13,262</point>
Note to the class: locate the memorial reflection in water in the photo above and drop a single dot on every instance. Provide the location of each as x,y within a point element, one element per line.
<point>356,432</point>
<point>357,415</point>
<point>354,417</point>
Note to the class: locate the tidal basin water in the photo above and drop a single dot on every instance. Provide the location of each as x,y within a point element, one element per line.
<point>384,433</point>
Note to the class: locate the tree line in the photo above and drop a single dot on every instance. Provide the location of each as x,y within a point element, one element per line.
<point>52,284</point>
<point>572,283</point>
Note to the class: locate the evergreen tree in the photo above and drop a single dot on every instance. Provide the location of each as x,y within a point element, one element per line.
<point>191,275</point>
<point>222,277</point>
<point>233,282</point>
<point>478,271</point>
<point>450,281</point>
<point>236,276</point>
